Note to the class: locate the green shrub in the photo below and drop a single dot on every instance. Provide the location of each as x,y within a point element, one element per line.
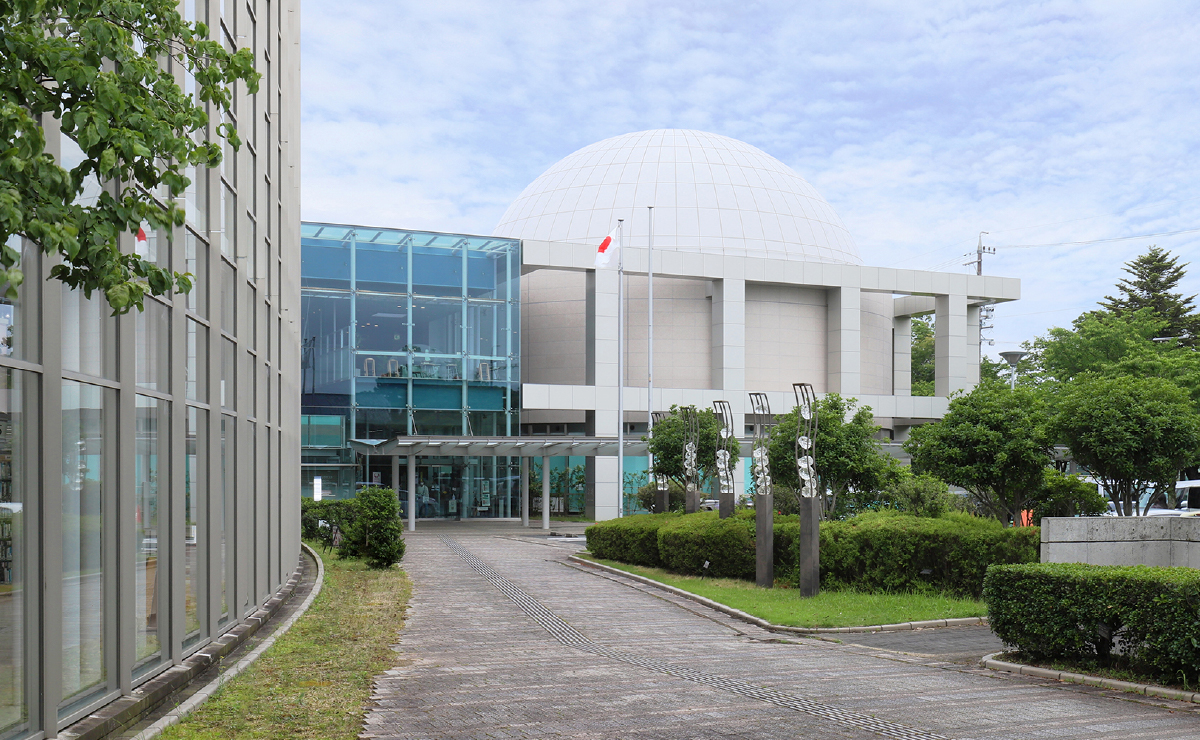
<point>631,539</point>
<point>890,551</point>
<point>334,513</point>
<point>727,545</point>
<point>376,533</point>
<point>1067,495</point>
<point>921,495</point>
<point>1142,616</point>
<point>647,496</point>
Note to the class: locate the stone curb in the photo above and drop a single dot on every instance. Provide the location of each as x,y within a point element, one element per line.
<point>759,622</point>
<point>990,662</point>
<point>195,700</point>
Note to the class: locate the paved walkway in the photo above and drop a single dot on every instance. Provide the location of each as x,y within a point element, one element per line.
<point>507,640</point>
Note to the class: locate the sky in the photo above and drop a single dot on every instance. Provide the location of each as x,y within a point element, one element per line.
<point>922,124</point>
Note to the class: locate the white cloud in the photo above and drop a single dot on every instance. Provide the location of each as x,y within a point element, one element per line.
<point>921,125</point>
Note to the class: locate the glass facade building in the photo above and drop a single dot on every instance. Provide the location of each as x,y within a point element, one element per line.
<point>409,333</point>
<point>148,462</point>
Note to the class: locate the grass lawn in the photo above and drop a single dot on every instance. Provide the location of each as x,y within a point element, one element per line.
<point>315,681</point>
<point>827,609</point>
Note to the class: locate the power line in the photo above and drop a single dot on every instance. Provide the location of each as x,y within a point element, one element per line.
<point>1098,241</point>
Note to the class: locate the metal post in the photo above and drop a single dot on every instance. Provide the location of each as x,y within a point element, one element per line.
<point>764,498</point>
<point>726,463</point>
<point>811,503</point>
<point>650,337</point>
<point>545,492</point>
<point>412,493</point>
<point>620,370</point>
<point>810,546</point>
<point>524,492</point>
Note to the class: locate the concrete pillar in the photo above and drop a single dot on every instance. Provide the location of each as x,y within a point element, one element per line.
<point>545,493</point>
<point>729,358</point>
<point>524,491</point>
<point>412,493</point>
<point>844,343</point>
<point>603,478</point>
<point>972,346</point>
<point>396,477</point>
<point>950,344</point>
<point>902,356</point>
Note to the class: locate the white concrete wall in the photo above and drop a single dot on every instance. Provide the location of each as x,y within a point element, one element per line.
<point>554,327</point>
<point>785,337</point>
<point>876,340</point>
<point>1154,540</point>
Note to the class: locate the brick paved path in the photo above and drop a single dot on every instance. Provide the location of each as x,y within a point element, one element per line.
<point>506,640</point>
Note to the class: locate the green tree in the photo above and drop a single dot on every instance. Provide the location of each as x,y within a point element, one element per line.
<point>1153,278</point>
<point>1133,435</point>
<point>920,495</point>
<point>850,461</point>
<point>1112,346</point>
<point>103,69</point>
<point>670,437</point>
<point>922,356</point>
<point>993,442</point>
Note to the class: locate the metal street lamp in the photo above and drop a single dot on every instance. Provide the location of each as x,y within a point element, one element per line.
<point>1012,357</point>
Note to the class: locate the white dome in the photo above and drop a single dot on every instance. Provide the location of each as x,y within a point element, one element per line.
<point>710,194</point>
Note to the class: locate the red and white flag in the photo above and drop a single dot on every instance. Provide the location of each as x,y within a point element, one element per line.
<point>608,249</point>
<point>141,238</point>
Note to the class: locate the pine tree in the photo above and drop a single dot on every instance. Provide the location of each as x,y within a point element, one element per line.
<point>1154,275</point>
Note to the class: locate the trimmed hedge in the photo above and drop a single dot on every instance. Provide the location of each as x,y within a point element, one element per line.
<point>889,551</point>
<point>1085,613</point>
<point>631,539</point>
<point>877,551</point>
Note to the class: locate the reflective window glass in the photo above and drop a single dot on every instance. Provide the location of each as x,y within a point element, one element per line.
<point>487,329</point>
<point>153,245</point>
<point>85,409</point>
<point>149,469</point>
<point>196,255</point>
<point>228,224</point>
<point>437,271</point>
<point>325,263</point>
<point>223,506</point>
<point>325,361</point>
<point>228,298</point>
<point>153,346</point>
<point>436,326</point>
<point>382,322</point>
<point>193,484</point>
<point>381,267</point>
<point>196,194</point>
<point>18,392</point>
<point>196,382</point>
<point>228,374</point>
<point>88,334</point>
<point>19,317</point>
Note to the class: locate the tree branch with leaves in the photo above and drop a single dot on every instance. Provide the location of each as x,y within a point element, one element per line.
<point>103,68</point>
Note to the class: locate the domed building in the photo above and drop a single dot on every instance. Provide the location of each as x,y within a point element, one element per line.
<point>443,362</point>
<point>757,285</point>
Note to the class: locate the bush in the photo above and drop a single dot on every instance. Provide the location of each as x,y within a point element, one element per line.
<point>727,545</point>
<point>376,533</point>
<point>1067,495</point>
<point>890,551</point>
<point>1095,613</point>
<point>631,539</point>
<point>335,513</point>
<point>922,495</point>
<point>676,496</point>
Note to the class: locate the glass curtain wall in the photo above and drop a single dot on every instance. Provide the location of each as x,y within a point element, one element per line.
<point>412,333</point>
<point>120,485</point>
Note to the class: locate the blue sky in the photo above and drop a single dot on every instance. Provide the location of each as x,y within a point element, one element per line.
<point>922,123</point>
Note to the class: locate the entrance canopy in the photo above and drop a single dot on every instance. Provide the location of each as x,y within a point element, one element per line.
<point>506,446</point>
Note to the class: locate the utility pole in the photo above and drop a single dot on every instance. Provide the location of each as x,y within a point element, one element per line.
<point>979,252</point>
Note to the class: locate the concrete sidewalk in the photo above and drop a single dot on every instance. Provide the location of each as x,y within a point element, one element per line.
<point>505,639</point>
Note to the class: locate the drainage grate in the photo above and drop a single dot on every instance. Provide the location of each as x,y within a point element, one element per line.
<point>568,635</point>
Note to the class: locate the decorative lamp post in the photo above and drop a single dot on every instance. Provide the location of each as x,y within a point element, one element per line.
<point>691,470</point>
<point>764,494</point>
<point>725,462</point>
<point>810,499</point>
<point>1012,357</point>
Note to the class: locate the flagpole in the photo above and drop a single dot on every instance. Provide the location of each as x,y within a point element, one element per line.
<point>620,369</point>
<point>650,339</point>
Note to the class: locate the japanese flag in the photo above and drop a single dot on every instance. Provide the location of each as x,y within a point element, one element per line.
<point>608,249</point>
<point>142,241</point>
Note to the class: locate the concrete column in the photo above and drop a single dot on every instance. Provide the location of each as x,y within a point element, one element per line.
<point>524,491</point>
<point>396,477</point>
<point>545,493</point>
<point>902,356</point>
<point>973,346</point>
<point>603,478</point>
<point>412,493</point>
<point>729,336</point>
<point>844,343</point>
<point>950,344</point>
